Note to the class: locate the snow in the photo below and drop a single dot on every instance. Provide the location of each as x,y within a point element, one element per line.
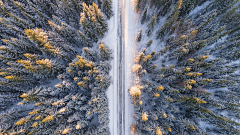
<point>130,30</point>
<point>131,27</point>
<point>111,40</point>
<point>51,83</point>
<point>199,8</point>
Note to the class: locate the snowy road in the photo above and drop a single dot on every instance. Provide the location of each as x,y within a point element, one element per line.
<point>121,67</point>
<point>121,75</point>
<point>120,37</point>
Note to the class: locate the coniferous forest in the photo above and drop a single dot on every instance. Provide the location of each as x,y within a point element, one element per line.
<point>188,68</point>
<point>54,67</point>
<point>56,70</point>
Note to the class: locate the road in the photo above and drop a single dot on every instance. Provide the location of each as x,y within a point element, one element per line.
<point>127,29</point>
<point>119,37</point>
<point>121,71</point>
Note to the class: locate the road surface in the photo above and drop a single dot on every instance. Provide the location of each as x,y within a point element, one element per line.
<point>120,38</point>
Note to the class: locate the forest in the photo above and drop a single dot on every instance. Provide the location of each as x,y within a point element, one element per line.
<point>54,67</point>
<point>187,67</point>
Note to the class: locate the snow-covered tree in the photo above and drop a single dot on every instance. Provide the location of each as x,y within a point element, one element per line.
<point>139,36</point>
<point>107,8</point>
<point>53,79</point>
<point>93,22</point>
<point>191,79</point>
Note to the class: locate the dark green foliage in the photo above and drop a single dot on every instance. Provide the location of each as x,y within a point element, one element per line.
<point>93,23</point>
<point>77,99</point>
<point>51,81</point>
<point>144,16</point>
<point>139,36</point>
<point>151,26</point>
<point>189,85</point>
<point>149,43</point>
<point>107,8</point>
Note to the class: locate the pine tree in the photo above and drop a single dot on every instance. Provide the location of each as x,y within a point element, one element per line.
<point>151,26</point>
<point>93,22</point>
<point>65,96</point>
<point>200,87</point>
<point>144,16</point>
<point>107,8</point>
<point>139,36</point>
<point>52,81</point>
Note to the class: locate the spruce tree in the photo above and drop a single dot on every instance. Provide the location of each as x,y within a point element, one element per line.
<point>139,36</point>
<point>53,79</point>
<point>144,15</point>
<point>151,26</point>
<point>189,85</point>
<point>93,22</point>
<point>107,8</point>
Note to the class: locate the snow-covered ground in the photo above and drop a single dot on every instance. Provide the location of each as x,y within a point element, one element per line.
<point>130,30</point>
<point>129,20</point>
<point>111,40</point>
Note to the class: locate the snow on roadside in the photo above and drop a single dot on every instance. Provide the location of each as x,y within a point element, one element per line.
<point>130,31</point>
<point>110,40</point>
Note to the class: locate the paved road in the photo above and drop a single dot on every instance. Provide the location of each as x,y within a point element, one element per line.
<point>121,72</point>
